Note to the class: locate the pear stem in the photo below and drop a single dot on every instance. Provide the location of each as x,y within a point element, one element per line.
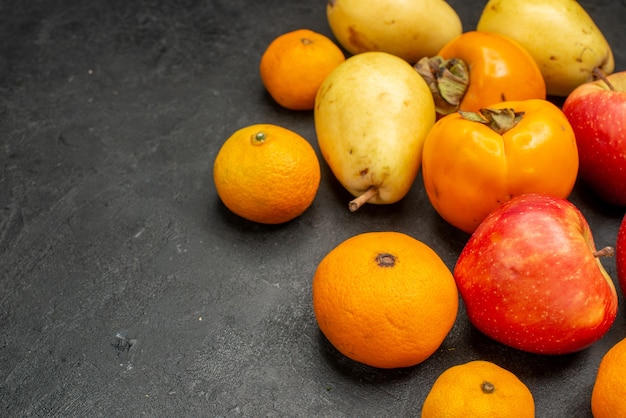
<point>605,252</point>
<point>359,201</point>
<point>599,74</point>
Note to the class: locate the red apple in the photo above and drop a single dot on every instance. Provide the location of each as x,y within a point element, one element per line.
<point>531,278</point>
<point>620,255</point>
<point>597,113</point>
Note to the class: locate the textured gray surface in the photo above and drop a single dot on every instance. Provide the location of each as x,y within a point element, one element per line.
<point>126,287</point>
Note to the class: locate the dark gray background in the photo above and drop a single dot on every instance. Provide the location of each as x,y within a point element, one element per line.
<point>127,288</point>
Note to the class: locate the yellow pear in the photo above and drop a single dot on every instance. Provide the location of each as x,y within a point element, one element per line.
<point>559,34</point>
<point>372,115</point>
<point>410,29</point>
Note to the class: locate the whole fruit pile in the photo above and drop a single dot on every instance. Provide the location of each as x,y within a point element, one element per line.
<point>473,110</point>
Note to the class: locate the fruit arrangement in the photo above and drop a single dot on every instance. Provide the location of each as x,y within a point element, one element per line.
<point>477,112</point>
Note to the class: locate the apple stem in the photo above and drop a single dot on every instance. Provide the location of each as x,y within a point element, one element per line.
<point>599,74</point>
<point>356,203</point>
<point>605,252</point>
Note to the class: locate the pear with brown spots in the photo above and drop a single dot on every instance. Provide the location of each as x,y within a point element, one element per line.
<point>409,29</point>
<point>559,34</point>
<point>372,115</point>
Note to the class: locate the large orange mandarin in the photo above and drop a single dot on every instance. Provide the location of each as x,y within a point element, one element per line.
<point>294,65</point>
<point>478,389</point>
<point>267,174</point>
<point>608,398</point>
<point>384,299</point>
<point>500,70</point>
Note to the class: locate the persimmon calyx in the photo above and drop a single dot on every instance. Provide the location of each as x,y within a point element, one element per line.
<point>499,120</point>
<point>447,80</point>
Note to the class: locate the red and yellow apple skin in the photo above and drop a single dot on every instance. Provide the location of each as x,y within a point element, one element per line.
<point>620,255</point>
<point>530,278</point>
<point>598,117</point>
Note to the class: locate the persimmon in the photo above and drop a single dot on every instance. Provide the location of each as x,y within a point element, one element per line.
<point>475,161</point>
<point>479,69</point>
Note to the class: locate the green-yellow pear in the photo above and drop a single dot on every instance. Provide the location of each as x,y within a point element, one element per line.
<point>372,115</point>
<point>559,34</point>
<point>410,29</point>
